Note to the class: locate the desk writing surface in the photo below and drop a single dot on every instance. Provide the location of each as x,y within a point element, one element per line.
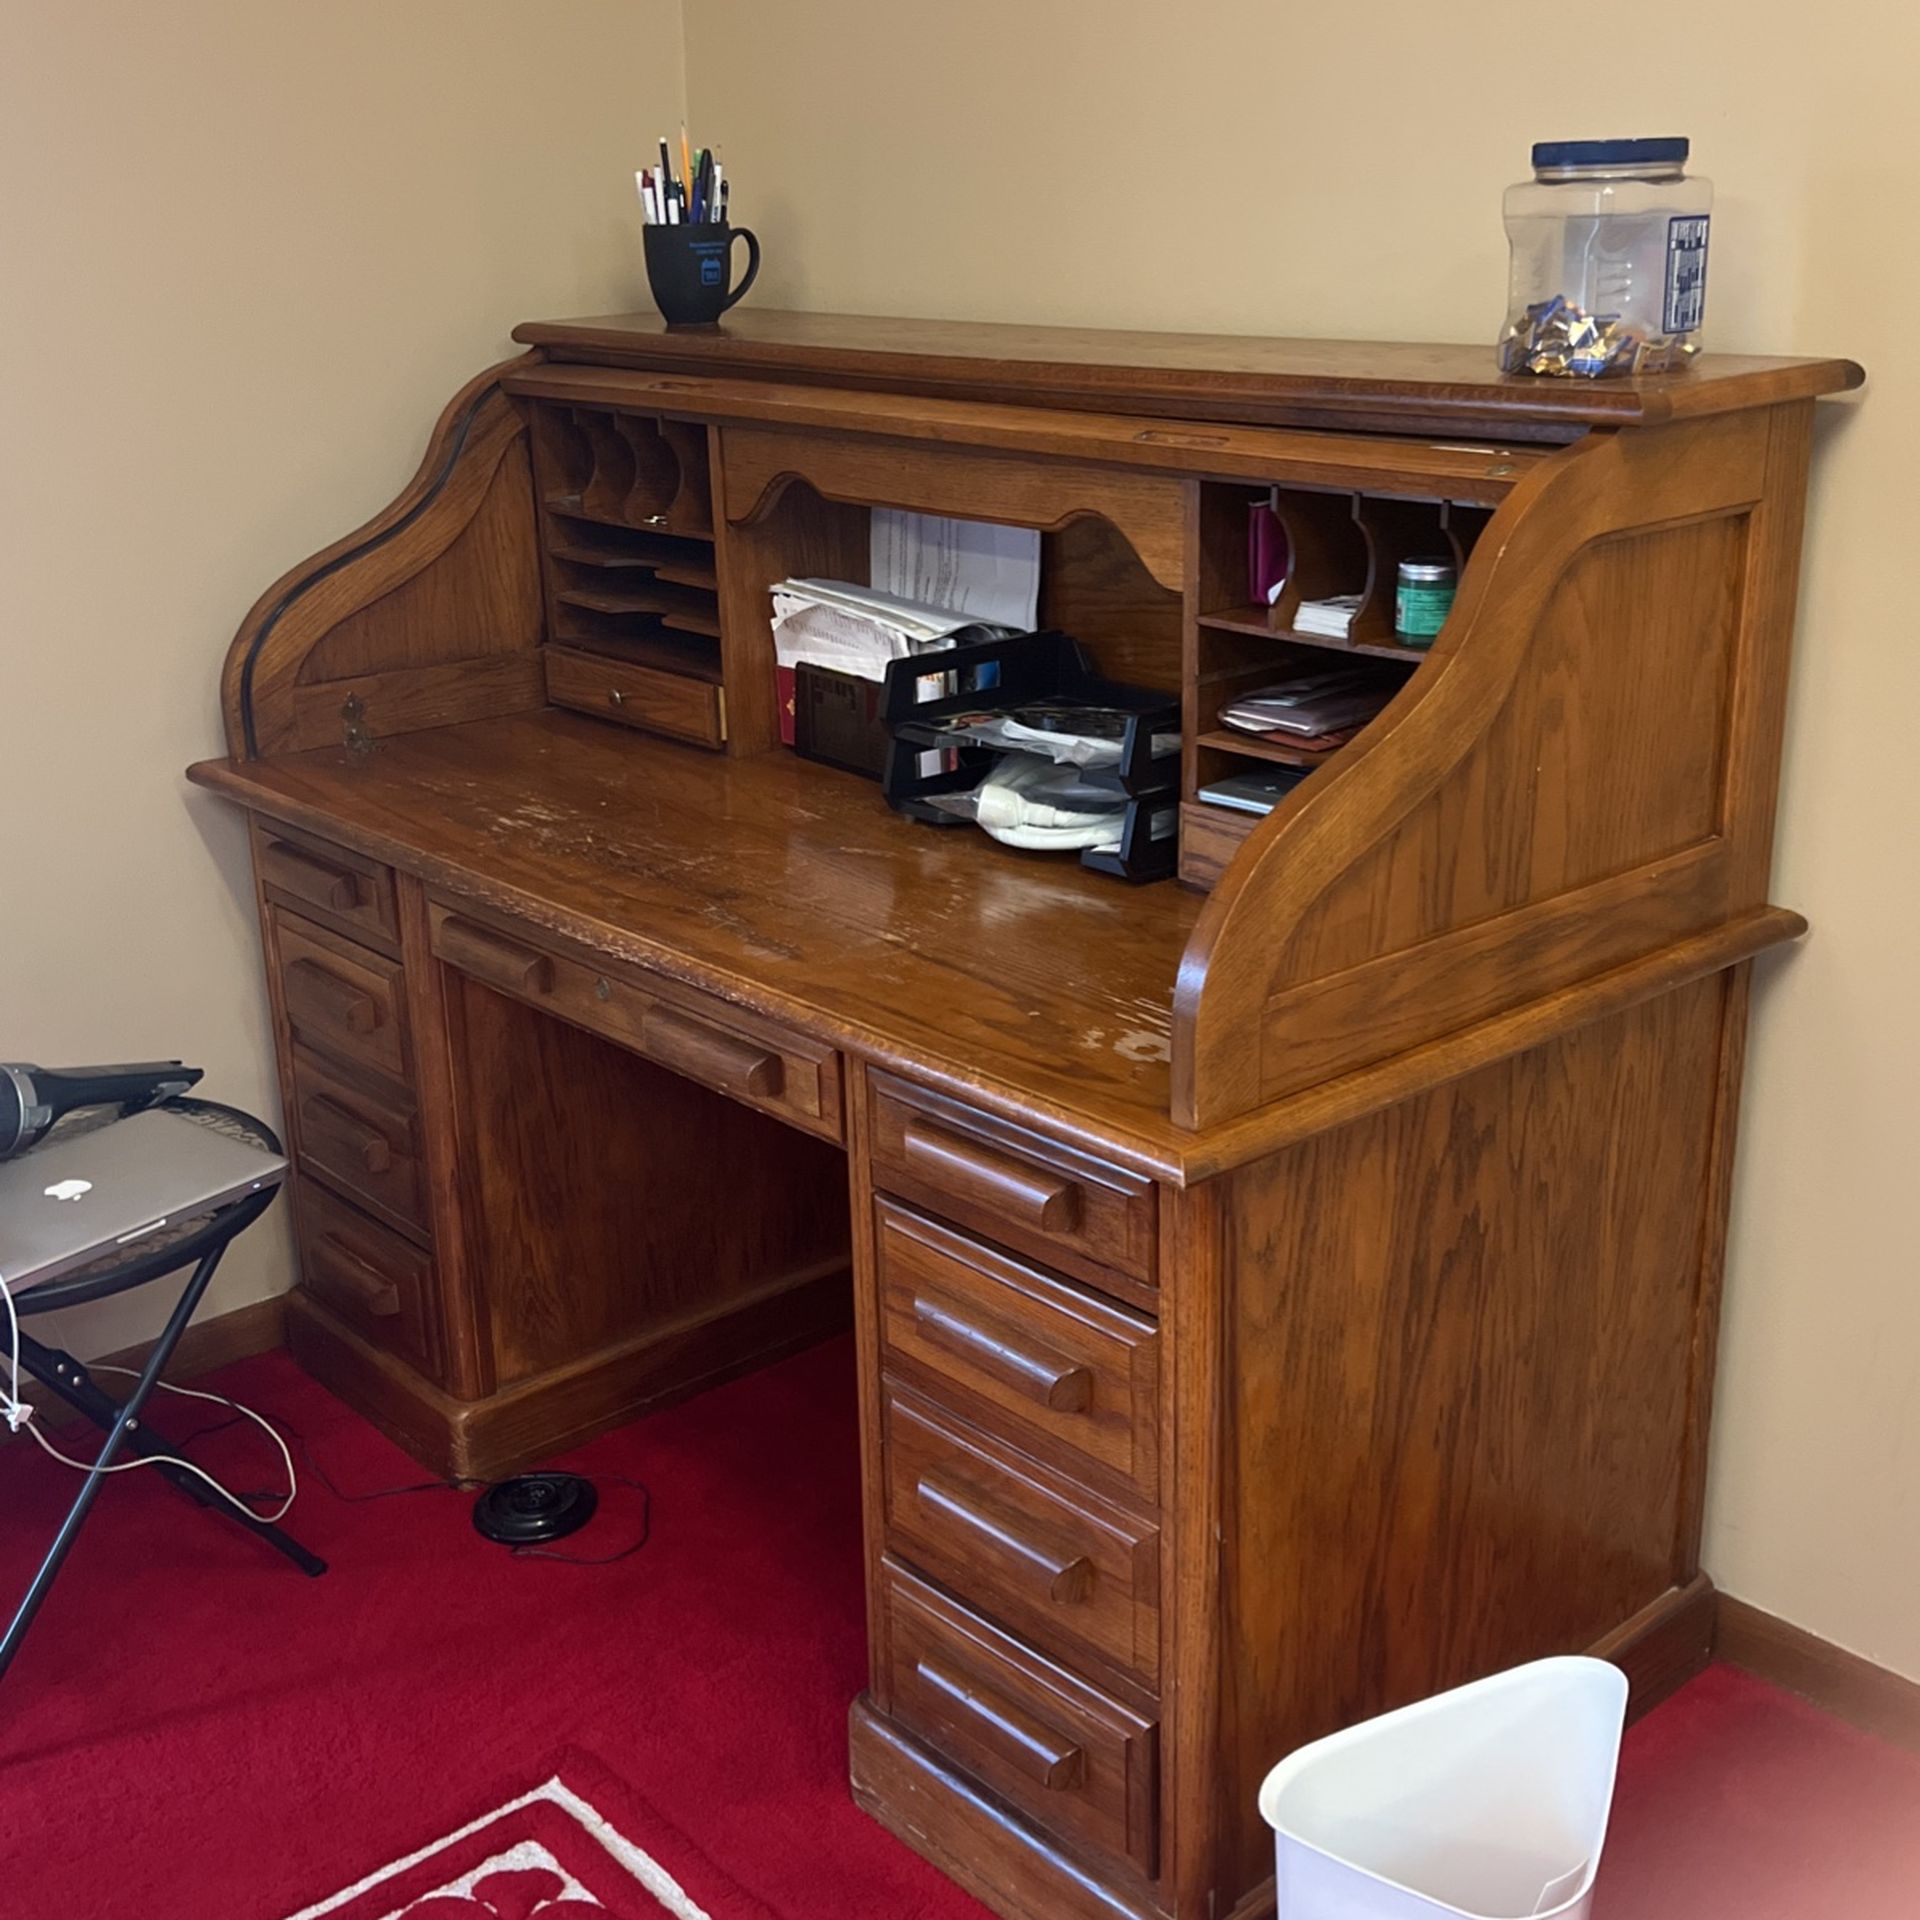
<point>785,886</point>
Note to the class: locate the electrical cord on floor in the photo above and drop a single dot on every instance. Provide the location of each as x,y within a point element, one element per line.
<point>19,1414</point>
<point>373,1493</point>
<point>603,1560</point>
<point>313,1465</point>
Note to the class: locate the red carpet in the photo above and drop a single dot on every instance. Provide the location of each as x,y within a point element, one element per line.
<point>195,1732</point>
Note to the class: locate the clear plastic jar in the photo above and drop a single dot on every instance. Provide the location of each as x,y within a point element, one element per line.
<point>1609,243</point>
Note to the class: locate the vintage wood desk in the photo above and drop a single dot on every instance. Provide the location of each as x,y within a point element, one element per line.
<point>1278,1295</point>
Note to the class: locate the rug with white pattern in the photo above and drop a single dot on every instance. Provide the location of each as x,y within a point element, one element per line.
<point>579,1844</point>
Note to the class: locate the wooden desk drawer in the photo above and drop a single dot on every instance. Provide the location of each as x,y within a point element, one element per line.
<point>379,1284</point>
<point>1081,1371</point>
<point>362,1141</point>
<point>669,703</point>
<point>1014,1186</point>
<point>347,890</point>
<point>340,1000</point>
<point>734,1052</point>
<point>1069,1569</point>
<point>1075,1759</point>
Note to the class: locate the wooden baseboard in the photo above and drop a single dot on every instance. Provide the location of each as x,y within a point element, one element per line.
<point>209,1344</point>
<point>1841,1683</point>
<point>1664,1645</point>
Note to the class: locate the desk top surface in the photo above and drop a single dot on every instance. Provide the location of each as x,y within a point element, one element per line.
<point>1201,376</point>
<point>786,887</point>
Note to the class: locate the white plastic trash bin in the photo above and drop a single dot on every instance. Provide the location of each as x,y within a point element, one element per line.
<point>1490,1801</point>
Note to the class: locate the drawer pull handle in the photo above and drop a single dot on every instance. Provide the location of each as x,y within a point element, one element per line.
<point>308,877</point>
<point>1056,1383</point>
<point>1045,1200</point>
<point>1067,1575</point>
<point>493,957</point>
<point>327,1116</point>
<point>364,1282</point>
<point>705,1053</point>
<point>1042,1754</point>
<point>322,995</point>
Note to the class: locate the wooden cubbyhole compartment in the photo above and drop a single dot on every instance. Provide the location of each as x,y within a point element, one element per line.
<point>1339,543</point>
<point>627,531</point>
<point>624,469</point>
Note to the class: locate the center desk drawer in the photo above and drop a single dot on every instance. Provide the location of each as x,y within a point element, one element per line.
<point>1082,1214</point>
<point>1077,1760</point>
<point>1080,1370</point>
<point>734,1052</point>
<point>1060,1564</point>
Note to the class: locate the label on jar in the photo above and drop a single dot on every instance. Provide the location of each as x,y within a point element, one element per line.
<point>1686,273</point>
<point>1421,609</point>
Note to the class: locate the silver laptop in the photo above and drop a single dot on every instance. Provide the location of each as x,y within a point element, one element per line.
<point>73,1201</point>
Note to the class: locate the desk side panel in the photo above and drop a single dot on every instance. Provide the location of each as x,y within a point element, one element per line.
<point>1463,1379</point>
<point>1580,775</point>
<point>429,614</point>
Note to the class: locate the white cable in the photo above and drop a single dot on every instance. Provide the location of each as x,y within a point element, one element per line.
<point>219,1400</point>
<point>16,1410</point>
<point>18,1414</point>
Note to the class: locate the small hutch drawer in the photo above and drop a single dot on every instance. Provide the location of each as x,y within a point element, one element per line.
<point>675,704</point>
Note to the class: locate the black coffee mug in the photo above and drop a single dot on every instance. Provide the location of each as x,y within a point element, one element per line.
<point>688,268</point>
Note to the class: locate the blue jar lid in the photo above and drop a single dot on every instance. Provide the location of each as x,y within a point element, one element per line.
<point>1610,153</point>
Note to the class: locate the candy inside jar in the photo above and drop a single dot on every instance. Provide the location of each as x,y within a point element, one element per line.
<point>1609,250</point>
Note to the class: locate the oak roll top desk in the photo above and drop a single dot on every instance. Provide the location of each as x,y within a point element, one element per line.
<point>1278,1294</point>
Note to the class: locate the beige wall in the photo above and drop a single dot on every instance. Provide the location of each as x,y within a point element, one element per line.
<point>246,253</point>
<point>1237,165</point>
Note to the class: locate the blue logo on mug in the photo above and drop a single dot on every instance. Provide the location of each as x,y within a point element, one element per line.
<point>711,272</point>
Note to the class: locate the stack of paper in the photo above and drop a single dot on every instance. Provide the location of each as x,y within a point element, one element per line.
<point>1331,619</point>
<point>858,630</point>
<point>973,566</point>
<point>1312,710</point>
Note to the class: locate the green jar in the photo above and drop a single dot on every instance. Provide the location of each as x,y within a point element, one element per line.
<point>1422,600</point>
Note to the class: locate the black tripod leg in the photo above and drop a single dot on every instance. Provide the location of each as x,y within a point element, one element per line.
<point>124,1420</point>
<point>67,1377</point>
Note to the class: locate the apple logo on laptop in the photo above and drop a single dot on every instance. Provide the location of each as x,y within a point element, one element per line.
<point>69,1189</point>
